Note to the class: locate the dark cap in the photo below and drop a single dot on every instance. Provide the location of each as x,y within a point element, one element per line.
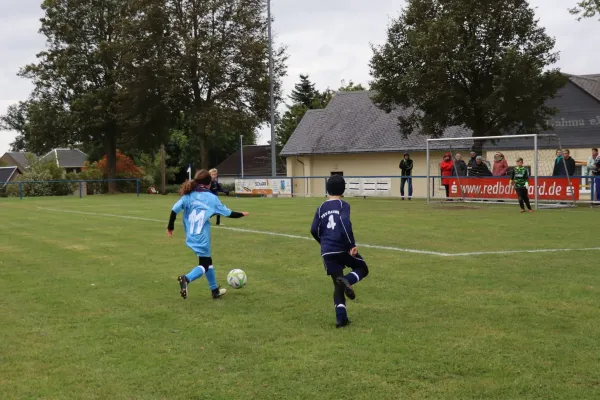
<point>336,185</point>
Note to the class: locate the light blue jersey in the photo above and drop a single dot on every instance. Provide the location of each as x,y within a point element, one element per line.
<point>198,207</point>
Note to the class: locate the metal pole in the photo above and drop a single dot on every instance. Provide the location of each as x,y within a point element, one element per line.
<point>535,166</point>
<point>242,155</point>
<point>273,149</point>
<point>428,175</point>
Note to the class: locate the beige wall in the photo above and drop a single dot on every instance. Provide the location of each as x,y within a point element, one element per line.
<point>380,164</point>
<point>386,164</point>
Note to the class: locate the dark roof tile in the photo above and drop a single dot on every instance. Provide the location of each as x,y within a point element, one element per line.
<point>67,158</point>
<point>6,174</point>
<point>352,123</point>
<point>257,162</point>
<point>20,158</point>
<point>589,83</point>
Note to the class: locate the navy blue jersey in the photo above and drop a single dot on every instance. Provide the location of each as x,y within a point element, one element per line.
<point>332,228</point>
<point>215,188</point>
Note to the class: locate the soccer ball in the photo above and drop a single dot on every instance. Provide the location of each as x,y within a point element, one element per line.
<point>236,278</point>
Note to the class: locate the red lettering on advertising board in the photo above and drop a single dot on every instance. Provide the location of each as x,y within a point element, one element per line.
<point>500,188</point>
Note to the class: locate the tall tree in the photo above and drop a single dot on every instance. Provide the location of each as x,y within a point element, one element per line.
<point>304,93</point>
<point>288,124</point>
<point>97,78</point>
<point>42,123</point>
<point>351,87</point>
<point>219,51</point>
<point>481,64</point>
<point>586,9</point>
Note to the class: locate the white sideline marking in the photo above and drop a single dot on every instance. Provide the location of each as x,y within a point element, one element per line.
<point>371,246</point>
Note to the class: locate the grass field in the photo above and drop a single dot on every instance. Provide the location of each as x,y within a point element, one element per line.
<point>90,308</point>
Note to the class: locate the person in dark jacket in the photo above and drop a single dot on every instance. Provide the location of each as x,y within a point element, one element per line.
<point>460,167</point>
<point>215,188</point>
<point>480,168</point>
<point>564,166</point>
<point>557,161</point>
<point>472,160</point>
<point>406,166</point>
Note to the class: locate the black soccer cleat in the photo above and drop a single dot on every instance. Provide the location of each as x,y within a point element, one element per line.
<point>340,323</point>
<point>347,287</point>
<point>183,282</point>
<point>218,292</point>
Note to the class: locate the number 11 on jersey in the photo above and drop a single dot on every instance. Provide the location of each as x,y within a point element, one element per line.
<point>196,219</point>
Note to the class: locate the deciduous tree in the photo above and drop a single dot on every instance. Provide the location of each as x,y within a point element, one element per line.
<point>219,53</point>
<point>481,64</point>
<point>586,9</point>
<point>99,80</point>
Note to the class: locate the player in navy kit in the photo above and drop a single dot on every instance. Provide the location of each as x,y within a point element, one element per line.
<point>332,228</point>
<point>215,188</point>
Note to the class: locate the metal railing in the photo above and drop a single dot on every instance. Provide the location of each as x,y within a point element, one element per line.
<point>390,186</point>
<point>64,187</point>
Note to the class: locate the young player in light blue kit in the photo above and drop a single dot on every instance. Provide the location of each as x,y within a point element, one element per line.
<point>199,205</point>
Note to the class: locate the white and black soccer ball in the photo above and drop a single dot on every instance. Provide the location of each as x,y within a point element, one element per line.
<point>236,278</point>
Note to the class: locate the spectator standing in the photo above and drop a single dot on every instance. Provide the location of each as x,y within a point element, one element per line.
<point>480,168</point>
<point>557,161</point>
<point>500,165</point>
<point>597,179</point>
<point>472,161</point>
<point>406,166</point>
<point>591,164</point>
<point>593,169</point>
<point>460,167</point>
<point>446,169</point>
<point>566,166</point>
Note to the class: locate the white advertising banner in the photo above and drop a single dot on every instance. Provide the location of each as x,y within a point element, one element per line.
<point>368,187</point>
<point>278,186</point>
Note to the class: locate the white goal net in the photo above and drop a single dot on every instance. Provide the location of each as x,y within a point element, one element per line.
<point>479,170</point>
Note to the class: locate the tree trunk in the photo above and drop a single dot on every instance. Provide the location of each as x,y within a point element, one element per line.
<point>202,129</point>
<point>111,160</point>
<point>203,152</point>
<point>163,175</point>
<point>477,146</point>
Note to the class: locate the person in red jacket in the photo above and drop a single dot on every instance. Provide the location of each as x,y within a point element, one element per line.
<point>500,165</point>
<point>446,167</point>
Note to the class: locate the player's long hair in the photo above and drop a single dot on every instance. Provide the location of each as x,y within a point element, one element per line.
<point>202,177</point>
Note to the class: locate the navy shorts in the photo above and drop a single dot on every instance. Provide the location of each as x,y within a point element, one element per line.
<point>335,263</point>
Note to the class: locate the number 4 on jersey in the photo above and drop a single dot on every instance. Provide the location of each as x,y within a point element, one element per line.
<point>331,223</point>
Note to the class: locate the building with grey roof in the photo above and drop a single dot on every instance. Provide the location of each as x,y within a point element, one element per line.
<point>72,160</point>
<point>21,160</point>
<point>354,137</point>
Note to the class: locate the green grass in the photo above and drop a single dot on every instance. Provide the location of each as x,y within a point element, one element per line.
<point>90,309</point>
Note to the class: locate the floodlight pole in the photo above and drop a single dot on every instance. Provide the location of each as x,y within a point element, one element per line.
<point>271,105</point>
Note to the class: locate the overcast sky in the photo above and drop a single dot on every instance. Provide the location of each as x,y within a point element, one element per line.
<point>326,39</point>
